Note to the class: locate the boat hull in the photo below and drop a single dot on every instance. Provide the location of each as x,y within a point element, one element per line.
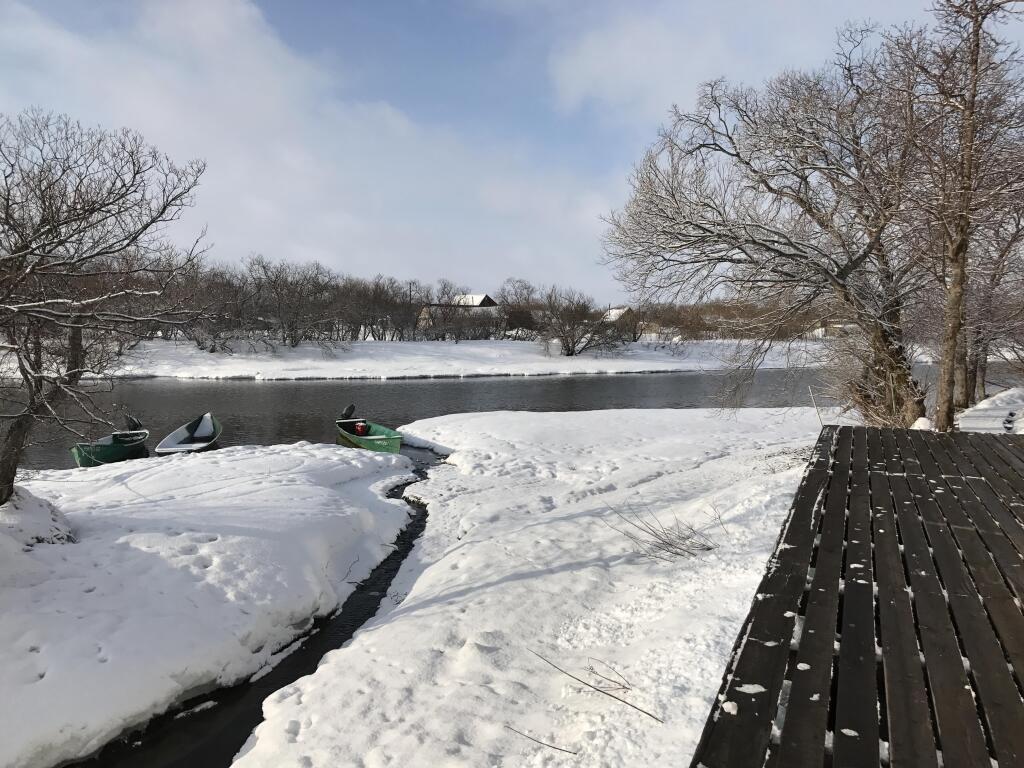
<point>186,440</point>
<point>98,454</point>
<point>380,438</point>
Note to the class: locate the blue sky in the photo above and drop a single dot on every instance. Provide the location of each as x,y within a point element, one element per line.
<point>468,139</point>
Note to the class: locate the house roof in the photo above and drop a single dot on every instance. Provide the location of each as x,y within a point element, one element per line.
<point>615,313</point>
<point>472,300</point>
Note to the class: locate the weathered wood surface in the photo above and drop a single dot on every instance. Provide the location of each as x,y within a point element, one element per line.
<point>888,629</point>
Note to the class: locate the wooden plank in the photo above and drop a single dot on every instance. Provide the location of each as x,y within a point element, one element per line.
<point>985,446</point>
<point>997,462</point>
<point>934,461</point>
<point>1001,701</point>
<point>821,454</point>
<point>893,460</point>
<point>960,734</point>
<point>802,740</point>
<point>924,456</point>
<point>990,576</point>
<point>967,515</point>
<point>964,467</point>
<point>1012,469</point>
<point>989,471</point>
<point>1007,450</point>
<point>738,735</point>
<point>1016,441</point>
<point>855,738</point>
<point>998,511</point>
<point>908,713</point>
<point>876,455</point>
<point>908,454</point>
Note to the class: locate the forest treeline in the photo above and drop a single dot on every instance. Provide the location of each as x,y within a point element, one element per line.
<point>267,303</point>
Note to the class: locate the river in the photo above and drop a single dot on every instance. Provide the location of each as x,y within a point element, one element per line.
<point>267,412</point>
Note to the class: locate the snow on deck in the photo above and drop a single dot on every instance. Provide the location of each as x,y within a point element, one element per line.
<point>518,557</point>
<point>435,359</point>
<point>188,571</point>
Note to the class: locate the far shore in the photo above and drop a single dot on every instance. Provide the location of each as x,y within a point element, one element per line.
<point>369,360</point>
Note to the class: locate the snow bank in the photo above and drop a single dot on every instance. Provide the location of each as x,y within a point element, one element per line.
<point>188,572</point>
<point>427,359</point>
<point>519,557</point>
<point>1002,413</point>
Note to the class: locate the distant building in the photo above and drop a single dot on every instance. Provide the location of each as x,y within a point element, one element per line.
<point>830,329</point>
<point>466,316</point>
<point>473,300</point>
<point>618,315</point>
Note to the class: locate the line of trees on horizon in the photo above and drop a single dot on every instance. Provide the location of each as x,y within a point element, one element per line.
<point>265,303</point>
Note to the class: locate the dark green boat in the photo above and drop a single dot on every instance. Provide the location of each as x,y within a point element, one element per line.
<point>119,446</point>
<point>360,433</point>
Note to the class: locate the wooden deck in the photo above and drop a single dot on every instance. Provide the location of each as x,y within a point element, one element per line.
<point>888,628</point>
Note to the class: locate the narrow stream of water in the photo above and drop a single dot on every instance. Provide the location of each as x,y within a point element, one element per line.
<point>207,731</point>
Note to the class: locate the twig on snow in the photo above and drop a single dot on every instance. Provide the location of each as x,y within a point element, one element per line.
<point>618,683</point>
<point>542,743</point>
<point>657,541</point>
<point>595,688</point>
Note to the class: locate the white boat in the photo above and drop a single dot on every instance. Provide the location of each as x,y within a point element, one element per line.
<point>200,434</point>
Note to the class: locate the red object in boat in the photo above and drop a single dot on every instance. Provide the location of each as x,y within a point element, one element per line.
<point>362,429</point>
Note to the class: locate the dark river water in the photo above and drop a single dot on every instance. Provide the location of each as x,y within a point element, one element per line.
<point>266,412</point>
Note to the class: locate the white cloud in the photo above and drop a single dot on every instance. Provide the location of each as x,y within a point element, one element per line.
<point>297,171</point>
<point>633,62</point>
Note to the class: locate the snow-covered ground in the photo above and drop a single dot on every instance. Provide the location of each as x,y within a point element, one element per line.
<point>1003,413</point>
<point>428,359</point>
<point>521,557</point>
<point>187,572</point>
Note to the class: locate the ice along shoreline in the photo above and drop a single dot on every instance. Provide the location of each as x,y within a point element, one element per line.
<point>368,361</point>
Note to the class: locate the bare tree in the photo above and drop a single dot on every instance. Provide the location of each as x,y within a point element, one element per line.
<point>444,318</point>
<point>295,298</point>
<point>966,98</point>
<point>520,304</point>
<point>572,320</point>
<point>85,264</point>
<point>789,198</point>
<point>994,306</point>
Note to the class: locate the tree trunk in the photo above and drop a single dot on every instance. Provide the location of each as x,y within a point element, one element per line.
<point>980,384</point>
<point>955,286</point>
<point>887,394</point>
<point>961,394</point>
<point>11,449</point>
<point>973,364</point>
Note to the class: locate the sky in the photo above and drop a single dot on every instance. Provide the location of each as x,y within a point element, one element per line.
<point>469,139</point>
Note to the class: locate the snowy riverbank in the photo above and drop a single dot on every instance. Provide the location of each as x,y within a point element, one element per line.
<point>1002,413</point>
<point>188,572</point>
<point>519,558</point>
<point>429,359</point>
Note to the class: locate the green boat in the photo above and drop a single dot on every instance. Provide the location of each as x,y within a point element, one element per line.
<point>119,446</point>
<point>360,433</point>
